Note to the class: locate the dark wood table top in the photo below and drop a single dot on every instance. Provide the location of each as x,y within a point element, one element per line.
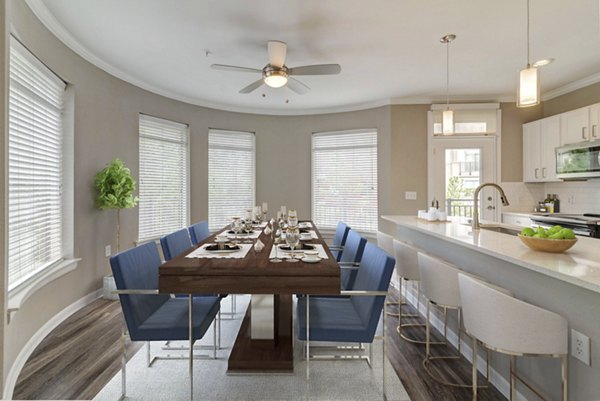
<point>253,274</point>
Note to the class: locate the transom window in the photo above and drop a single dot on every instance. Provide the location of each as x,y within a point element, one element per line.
<point>344,179</point>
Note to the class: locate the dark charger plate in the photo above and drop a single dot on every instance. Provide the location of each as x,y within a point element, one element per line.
<point>304,247</point>
<point>228,247</point>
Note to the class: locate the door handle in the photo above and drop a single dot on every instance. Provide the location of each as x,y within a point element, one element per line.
<point>583,129</point>
<point>594,130</point>
<point>543,172</point>
<point>537,172</point>
<point>491,207</point>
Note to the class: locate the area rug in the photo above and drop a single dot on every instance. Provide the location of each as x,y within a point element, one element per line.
<point>329,380</point>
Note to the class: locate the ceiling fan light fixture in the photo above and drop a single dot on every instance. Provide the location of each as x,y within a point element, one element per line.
<point>275,77</point>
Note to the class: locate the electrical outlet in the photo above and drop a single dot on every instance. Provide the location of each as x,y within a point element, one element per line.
<point>107,251</point>
<point>580,346</point>
<point>410,195</point>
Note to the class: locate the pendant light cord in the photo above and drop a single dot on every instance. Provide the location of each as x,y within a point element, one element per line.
<point>528,64</point>
<point>448,75</point>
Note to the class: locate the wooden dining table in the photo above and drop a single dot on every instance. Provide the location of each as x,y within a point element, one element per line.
<point>255,274</point>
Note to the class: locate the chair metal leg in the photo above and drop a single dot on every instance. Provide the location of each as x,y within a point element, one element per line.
<point>215,339</point>
<point>307,338</point>
<point>148,360</point>
<point>383,352</point>
<point>191,349</point>
<point>474,377</point>
<point>123,363</point>
<point>564,378</point>
<point>512,378</point>
<point>219,340</point>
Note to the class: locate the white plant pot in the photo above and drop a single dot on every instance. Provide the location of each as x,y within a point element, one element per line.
<point>108,286</point>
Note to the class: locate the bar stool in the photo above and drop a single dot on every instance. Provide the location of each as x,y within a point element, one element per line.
<point>386,242</point>
<point>511,326</point>
<point>407,268</point>
<point>439,283</point>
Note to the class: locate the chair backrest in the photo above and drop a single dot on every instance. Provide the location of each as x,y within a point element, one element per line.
<point>375,274</point>
<point>385,242</point>
<point>137,269</point>
<point>353,253</point>
<point>439,281</point>
<point>509,324</point>
<point>175,243</point>
<point>407,263</point>
<point>199,232</point>
<point>339,239</point>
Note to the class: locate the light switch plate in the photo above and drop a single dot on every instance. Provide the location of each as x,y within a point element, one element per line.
<point>107,251</point>
<point>410,195</point>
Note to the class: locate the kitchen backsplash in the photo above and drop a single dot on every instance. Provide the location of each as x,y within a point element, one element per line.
<point>575,197</point>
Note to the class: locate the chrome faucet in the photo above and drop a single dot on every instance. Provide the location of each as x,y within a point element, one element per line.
<point>503,198</point>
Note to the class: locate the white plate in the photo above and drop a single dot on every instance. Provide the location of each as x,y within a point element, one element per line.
<point>307,238</point>
<point>306,259</point>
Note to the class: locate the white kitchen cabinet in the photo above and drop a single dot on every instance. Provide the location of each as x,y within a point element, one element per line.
<point>580,125</point>
<point>540,139</point>
<point>516,219</point>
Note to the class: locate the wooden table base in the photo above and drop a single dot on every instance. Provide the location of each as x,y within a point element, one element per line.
<point>272,356</point>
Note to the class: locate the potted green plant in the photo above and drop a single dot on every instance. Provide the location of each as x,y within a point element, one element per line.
<point>115,187</point>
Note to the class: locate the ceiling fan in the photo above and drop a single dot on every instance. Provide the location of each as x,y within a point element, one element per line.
<point>276,74</point>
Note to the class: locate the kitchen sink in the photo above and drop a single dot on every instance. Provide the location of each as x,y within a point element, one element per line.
<point>503,230</point>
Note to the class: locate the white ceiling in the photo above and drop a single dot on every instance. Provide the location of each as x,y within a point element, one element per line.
<point>389,50</point>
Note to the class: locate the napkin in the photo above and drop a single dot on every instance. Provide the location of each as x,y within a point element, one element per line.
<point>268,230</point>
<point>258,246</point>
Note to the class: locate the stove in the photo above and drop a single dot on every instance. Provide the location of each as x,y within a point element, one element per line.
<point>586,225</point>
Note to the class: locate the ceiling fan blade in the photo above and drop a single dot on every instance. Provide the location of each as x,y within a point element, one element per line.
<point>318,69</point>
<point>277,52</point>
<point>225,67</point>
<point>297,86</point>
<point>253,86</point>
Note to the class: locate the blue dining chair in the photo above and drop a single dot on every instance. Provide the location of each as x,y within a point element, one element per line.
<point>353,319</point>
<point>351,257</point>
<point>339,240</point>
<point>199,232</point>
<point>150,316</point>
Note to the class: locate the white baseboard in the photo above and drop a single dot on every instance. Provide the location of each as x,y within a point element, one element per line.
<point>38,337</point>
<point>497,380</point>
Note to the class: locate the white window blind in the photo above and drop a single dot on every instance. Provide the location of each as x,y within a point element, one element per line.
<point>35,168</point>
<point>231,183</point>
<point>163,185</point>
<point>344,180</point>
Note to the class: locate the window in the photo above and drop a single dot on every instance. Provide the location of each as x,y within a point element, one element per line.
<point>344,179</point>
<point>163,185</point>
<point>231,160</point>
<point>35,167</point>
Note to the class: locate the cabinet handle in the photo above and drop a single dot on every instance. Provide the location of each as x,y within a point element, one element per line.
<point>544,172</point>
<point>594,130</point>
<point>583,136</point>
<point>536,172</point>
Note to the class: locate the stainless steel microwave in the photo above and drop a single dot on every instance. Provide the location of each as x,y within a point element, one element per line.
<point>579,160</point>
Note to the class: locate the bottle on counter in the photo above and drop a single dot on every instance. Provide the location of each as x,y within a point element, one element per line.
<point>549,202</point>
<point>556,203</point>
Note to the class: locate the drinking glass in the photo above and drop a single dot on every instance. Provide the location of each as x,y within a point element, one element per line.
<point>292,218</point>
<point>237,227</point>
<point>292,238</point>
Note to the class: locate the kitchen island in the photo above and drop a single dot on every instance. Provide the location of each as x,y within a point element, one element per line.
<point>568,284</point>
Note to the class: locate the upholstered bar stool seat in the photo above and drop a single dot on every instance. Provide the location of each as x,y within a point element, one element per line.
<point>514,327</point>
<point>439,284</point>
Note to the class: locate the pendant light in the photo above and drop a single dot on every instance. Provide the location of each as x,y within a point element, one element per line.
<point>448,114</point>
<point>529,79</point>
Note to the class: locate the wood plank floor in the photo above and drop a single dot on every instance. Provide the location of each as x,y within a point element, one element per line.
<point>81,355</point>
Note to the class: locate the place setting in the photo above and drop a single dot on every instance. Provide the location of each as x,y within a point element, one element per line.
<point>222,247</point>
<point>289,242</point>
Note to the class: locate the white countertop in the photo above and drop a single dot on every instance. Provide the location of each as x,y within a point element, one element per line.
<point>580,265</point>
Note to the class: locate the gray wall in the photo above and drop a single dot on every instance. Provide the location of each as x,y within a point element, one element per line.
<point>572,100</point>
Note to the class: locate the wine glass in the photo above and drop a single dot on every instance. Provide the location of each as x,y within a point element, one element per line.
<point>292,238</point>
<point>237,227</point>
<point>259,214</point>
<point>248,227</point>
<point>292,218</point>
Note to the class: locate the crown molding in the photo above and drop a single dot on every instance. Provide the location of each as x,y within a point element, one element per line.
<point>571,86</point>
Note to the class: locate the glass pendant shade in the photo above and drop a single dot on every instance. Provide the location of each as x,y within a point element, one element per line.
<point>529,87</point>
<point>448,122</point>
